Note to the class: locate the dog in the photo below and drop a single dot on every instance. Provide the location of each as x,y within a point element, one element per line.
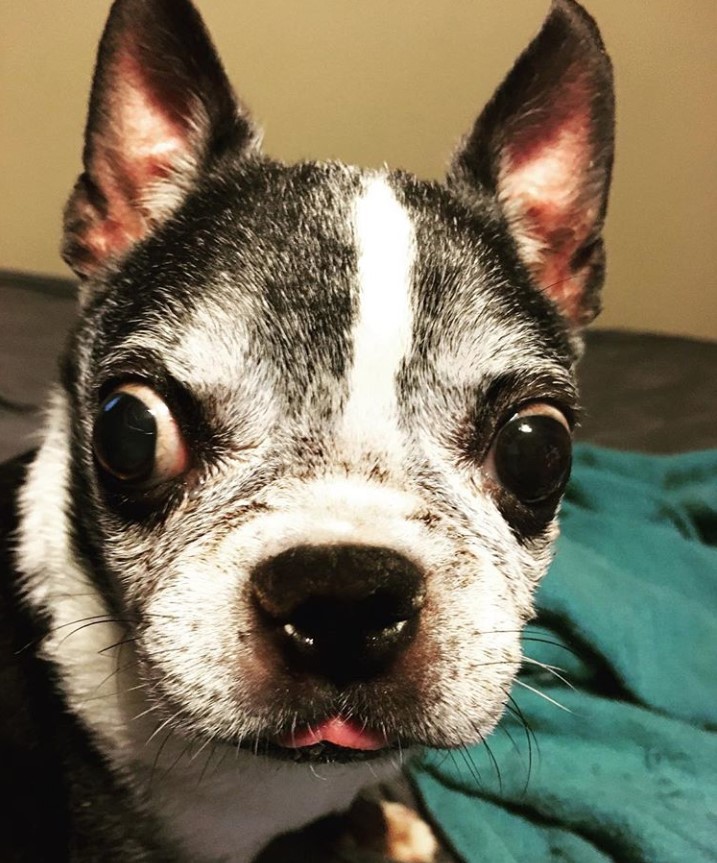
<point>301,474</point>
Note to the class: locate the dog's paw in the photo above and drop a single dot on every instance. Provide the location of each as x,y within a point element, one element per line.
<point>393,830</point>
<point>408,838</point>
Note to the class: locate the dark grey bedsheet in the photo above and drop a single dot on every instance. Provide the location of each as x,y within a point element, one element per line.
<point>649,392</point>
<point>640,391</point>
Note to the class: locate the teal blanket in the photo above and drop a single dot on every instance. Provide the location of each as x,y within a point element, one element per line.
<point>625,769</point>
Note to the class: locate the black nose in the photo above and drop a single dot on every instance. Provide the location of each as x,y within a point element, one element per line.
<point>341,611</point>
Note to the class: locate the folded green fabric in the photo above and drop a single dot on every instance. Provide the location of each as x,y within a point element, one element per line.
<point>626,768</point>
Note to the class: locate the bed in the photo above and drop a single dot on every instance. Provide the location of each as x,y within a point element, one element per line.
<point>648,393</point>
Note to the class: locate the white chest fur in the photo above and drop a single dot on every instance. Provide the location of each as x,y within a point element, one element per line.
<point>235,809</point>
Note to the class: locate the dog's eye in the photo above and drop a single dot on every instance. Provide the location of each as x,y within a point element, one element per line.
<point>136,438</point>
<point>531,454</point>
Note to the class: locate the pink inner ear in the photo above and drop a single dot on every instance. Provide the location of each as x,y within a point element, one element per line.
<point>140,143</point>
<point>547,197</point>
<point>147,134</point>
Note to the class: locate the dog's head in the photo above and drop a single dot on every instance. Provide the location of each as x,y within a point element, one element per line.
<point>321,417</point>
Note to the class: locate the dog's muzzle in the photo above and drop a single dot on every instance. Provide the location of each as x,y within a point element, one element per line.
<point>342,612</point>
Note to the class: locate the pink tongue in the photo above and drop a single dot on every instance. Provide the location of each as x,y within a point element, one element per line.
<point>340,732</point>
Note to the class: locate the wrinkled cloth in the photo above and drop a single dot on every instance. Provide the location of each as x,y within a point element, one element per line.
<point>623,765</point>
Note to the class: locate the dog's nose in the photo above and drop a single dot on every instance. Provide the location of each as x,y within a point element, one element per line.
<point>340,611</point>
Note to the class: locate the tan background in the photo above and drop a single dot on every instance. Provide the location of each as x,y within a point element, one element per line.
<point>398,81</point>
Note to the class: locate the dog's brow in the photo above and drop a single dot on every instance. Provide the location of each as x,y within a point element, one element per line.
<point>133,358</point>
<point>550,384</point>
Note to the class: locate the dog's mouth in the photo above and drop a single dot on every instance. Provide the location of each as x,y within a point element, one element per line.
<point>334,739</point>
<point>341,733</point>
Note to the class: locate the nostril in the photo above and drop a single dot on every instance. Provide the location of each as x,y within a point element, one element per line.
<point>326,619</point>
<point>347,641</point>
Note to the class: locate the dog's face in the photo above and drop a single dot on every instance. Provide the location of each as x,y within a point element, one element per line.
<point>321,417</point>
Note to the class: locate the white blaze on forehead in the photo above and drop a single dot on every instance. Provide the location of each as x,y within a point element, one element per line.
<point>382,330</point>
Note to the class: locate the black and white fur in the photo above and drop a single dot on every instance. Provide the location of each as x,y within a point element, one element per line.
<point>340,347</point>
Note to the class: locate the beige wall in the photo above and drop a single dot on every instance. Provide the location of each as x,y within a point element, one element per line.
<point>398,81</point>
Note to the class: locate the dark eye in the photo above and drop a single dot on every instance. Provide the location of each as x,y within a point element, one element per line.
<point>531,454</point>
<point>136,438</point>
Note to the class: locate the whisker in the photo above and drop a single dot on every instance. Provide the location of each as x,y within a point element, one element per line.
<point>530,737</point>
<point>225,751</point>
<point>179,757</point>
<point>116,672</point>
<point>471,766</point>
<point>551,669</point>
<point>159,728</point>
<point>513,742</point>
<point>89,621</point>
<point>494,761</point>
<point>399,746</point>
<point>92,699</point>
<point>207,762</point>
<point>312,768</point>
<point>92,622</point>
<point>118,660</point>
<point>145,713</point>
<point>158,753</point>
<point>446,755</point>
<point>496,765</point>
<point>201,749</point>
<point>549,641</point>
<point>526,636</point>
<point>543,695</point>
<point>238,747</point>
<point>119,644</point>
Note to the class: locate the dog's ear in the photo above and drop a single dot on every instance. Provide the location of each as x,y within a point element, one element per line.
<point>161,110</point>
<point>543,148</point>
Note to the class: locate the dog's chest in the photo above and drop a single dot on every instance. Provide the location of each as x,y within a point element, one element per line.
<point>224,805</point>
